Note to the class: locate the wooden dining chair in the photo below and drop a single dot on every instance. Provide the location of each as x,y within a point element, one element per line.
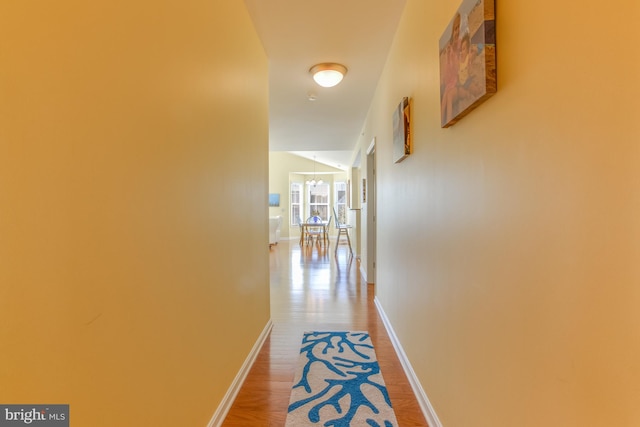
<point>326,229</point>
<point>315,232</point>
<point>304,238</point>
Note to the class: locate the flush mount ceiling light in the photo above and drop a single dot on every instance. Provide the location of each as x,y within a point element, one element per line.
<point>328,74</point>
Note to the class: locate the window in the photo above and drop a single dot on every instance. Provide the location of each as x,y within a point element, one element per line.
<point>341,202</point>
<point>296,202</point>
<point>319,201</point>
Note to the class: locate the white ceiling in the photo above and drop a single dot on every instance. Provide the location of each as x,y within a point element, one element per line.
<point>298,34</point>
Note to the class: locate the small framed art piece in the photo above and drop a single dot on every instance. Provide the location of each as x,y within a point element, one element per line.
<point>402,131</point>
<point>274,199</point>
<point>364,190</point>
<point>467,60</point>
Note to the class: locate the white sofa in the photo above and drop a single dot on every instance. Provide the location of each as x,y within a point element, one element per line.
<point>274,229</point>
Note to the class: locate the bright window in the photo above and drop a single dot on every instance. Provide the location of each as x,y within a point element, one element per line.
<point>319,201</point>
<point>296,202</point>
<point>341,202</point>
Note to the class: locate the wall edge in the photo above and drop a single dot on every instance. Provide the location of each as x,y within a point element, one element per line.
<point>223,409</point>
<point>423,400</point>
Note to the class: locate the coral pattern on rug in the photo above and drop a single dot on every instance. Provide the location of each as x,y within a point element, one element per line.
<point>338,383</point>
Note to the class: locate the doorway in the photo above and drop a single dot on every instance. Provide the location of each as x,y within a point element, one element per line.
<point>371,212</point>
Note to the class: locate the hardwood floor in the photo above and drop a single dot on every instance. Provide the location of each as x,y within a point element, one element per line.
<point>313,288</point>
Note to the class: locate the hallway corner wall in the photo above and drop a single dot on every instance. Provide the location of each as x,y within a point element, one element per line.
<point>133,196</point>
<point>508,244</point>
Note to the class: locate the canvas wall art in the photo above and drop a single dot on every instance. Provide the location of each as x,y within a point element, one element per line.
<point>467,60</point>
<point>274,199</point>
<point>364,190</point>
<point>402,131</point>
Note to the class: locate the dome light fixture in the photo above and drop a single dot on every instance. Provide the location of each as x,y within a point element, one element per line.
<point>328,74</point>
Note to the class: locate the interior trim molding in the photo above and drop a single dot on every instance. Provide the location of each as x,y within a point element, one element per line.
<point>232,392</point>
<point>423,400</point>
<point>363,273</point>
<point>372,146</point>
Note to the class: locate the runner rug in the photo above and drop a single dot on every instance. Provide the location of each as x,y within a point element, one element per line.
<point>338,383</point>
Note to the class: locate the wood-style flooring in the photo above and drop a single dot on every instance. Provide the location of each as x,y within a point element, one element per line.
<point>315,288</point>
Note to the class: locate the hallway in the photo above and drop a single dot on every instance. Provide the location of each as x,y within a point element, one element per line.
<point>313,288</point>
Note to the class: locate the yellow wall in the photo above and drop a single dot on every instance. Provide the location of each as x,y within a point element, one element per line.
<point>509,244</point>
<point>129,187</point>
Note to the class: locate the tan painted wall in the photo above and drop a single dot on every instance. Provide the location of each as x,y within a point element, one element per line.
<point>129,186</point>
<point>509,244</point>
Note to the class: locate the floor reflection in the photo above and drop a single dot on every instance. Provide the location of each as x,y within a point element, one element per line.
<point>314,288</point>
<point>315,285</point>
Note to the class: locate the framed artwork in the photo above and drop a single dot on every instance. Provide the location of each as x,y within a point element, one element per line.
<point>467,60</point>
<point>402,131</point>
<point>364,190</point>
<point>274,199</point>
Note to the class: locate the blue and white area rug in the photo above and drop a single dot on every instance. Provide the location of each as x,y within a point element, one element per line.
<point>338,383</point>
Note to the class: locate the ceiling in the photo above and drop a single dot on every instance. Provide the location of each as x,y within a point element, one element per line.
<point>298,34</point>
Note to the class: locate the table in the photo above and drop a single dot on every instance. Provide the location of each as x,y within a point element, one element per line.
<point>306,225</point>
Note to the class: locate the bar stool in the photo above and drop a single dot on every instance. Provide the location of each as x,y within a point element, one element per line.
<point>342,229</point>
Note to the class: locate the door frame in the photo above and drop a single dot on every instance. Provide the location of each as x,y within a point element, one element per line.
<point>371,213</point>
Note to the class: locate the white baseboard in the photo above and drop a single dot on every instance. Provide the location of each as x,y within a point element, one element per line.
<point>230,396</point>
<point>423,400</point>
